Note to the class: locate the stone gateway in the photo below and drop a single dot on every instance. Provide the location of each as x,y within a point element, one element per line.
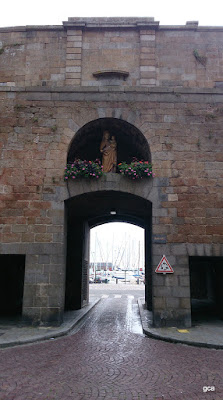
<point>158,91</point>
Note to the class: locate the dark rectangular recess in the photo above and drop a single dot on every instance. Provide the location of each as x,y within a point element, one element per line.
<point>206,283</point>
<point>12,272</point>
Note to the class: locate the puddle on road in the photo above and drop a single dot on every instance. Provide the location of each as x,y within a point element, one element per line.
<point>133,320</point>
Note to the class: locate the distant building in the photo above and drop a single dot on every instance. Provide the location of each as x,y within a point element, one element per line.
<point>102,266</point>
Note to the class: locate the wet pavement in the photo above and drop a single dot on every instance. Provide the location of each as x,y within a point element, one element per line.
<point>108,357</point>
<point>206,332</point>
<point>15,332</point>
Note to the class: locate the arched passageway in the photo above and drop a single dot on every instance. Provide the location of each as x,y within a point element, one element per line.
<point>117,254</point>
<point>88,210</point>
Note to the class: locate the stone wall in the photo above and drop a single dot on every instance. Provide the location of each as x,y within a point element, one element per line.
<point>183,127</point>
<point>152,54</point>
<point>176,61</point>
<point>32,57</point>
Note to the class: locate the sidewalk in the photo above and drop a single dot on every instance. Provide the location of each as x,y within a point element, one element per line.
<point>206,334</point>
<point>16,333</point>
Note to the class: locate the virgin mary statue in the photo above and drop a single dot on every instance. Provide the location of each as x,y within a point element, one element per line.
<point>108,148</point>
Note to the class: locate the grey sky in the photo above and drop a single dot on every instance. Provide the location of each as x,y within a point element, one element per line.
<point>119,243</point>
<point>49,12</point>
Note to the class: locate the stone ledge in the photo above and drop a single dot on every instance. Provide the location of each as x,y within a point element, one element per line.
<point>100,89</point>
<point>26,28</point>
<point>113,182</point>
<point>114,23</point>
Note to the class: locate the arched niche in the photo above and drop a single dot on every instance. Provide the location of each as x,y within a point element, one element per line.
<point>130,141</point>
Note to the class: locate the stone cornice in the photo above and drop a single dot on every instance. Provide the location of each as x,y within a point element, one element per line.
<point>118,89</point>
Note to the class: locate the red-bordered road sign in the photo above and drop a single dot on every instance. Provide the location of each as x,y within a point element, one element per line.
<point>164,267</point>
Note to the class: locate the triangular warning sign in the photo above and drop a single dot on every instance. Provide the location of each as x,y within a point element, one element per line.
<point>164,267</point>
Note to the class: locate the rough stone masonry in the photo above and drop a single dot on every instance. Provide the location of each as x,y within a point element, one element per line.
<point>153,84</point>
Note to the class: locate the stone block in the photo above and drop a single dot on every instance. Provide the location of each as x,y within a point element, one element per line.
<point>30,278</point>
<point>147,68</point>
<point>41,278</point>
<point>55,302</point>
<point>73,63</point>
<point>51,316</point>
<point>185,303</point>
<point>172,317</point>
<point>159,302</point>
<point>181,291</point>
<point>172,302</point>
<point>56,278</point>
<point>171,280</point>
<point>19,228</point>
<point>43,237</point>
<point>55,290</point>
<point>74,43</point>
<point>179,249</point>
<point>158,280</point>
<point>162,291</point>
<point>147,75</point>
<point>73,56</point>
<point>172,197</point>
<point>32,315</point>
<point>73,69</point>
<point>148,38</point>
<point>74,32</point>
<point>149,81</point>
<point>184,281</point>
<point>74,38</point>
<point>41,301</point>
<point>74,50</point>
<point>73,75</point>
<point>44,259</point>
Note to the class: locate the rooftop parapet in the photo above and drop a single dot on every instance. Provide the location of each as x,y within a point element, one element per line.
<point>111,22</point>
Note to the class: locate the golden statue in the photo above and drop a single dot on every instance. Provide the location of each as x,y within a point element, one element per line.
<point>108,148</point>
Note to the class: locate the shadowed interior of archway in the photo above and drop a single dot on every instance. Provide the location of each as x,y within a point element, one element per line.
<point>130,141</point>
<point>91,209</point>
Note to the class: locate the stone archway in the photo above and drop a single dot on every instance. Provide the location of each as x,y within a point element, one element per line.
<point>88,210</point>
<point>90,202</point>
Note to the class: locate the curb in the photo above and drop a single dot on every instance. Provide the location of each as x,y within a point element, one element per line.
<point>62,331</point>
<point>148,330</point>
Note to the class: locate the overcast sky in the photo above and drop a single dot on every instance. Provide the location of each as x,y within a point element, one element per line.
<point>119,243</point>
<point>168,12</point>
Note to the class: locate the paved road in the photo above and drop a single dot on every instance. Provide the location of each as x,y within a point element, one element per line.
<point>110,359</point>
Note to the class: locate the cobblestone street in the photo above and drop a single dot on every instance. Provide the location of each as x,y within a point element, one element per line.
<point>109,358</point>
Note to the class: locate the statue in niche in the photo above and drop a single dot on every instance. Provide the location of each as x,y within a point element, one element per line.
<point>108,148</point>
